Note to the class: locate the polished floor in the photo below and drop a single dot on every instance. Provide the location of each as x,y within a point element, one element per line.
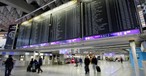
<point>107,69</point>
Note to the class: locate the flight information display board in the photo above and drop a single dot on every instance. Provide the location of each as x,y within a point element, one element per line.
<point>40,31</point>
<point>65,24</point>
<point>107,16</point>
<point>99,17</point>
<point>57,26</point>
<point>23,35</point>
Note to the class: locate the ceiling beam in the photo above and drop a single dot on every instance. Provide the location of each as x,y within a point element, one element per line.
<point>19,4</point>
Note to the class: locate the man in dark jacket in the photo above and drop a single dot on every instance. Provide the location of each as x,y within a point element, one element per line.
<point>86,62</point>
<point>94,62</point>
<point>40,62</point>
<point>9,65</point>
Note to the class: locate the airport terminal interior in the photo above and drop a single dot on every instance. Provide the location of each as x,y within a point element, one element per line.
<point>72,37</point>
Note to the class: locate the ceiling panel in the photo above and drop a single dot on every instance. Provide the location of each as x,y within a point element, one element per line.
<point>12,10</point>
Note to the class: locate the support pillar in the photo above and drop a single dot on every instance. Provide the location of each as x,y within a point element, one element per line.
<point>34,54</point>
<point>133,49</point>
<point>39,54</point>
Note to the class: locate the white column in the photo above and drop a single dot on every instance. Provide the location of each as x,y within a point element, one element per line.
<point>133,49</point>
<point>39,54</point>
<point>34,56</point>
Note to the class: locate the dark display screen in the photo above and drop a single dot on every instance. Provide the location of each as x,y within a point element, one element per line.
<point>56,26</point>
<point>24,35</point>
<point>107,16</point>
<point>65,24</point>
<point>99,17</point>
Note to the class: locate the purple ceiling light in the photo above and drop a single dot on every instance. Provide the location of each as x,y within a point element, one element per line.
<point>123,33</point>
<point>44,44</point>
<point>73,40</point>
<point>54,43</point>
<point>25,47</point>
<point>129,32</point>
<point>34,45</point>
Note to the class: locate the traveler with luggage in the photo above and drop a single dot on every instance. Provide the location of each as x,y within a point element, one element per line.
<point>94,63</point>
<point>40,62</point>
<point>86,62</point>
<point>30,66</point>
<point>34,66</point>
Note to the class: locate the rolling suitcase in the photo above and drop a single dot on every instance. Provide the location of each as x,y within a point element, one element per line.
<point>98,69</point>
<point>33,68</point>
<point>29,68</point>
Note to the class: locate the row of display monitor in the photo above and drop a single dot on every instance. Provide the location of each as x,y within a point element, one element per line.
<point>99,19</point>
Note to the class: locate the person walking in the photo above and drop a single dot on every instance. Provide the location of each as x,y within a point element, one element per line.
<point>86,62</point>
<point>29,68</point>
<point>80,61</point>
<point>9,65</point>
<point>40,62</point>
<point>34,65</point>
<point>121,59</point>
<point>76,62</point>
<point>94,63</point>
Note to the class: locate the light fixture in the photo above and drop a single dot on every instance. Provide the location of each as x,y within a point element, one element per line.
<point>25,23</point>
<point>36,53</point>
<point>46,13</point>
<point>37,18</point>
<point>64,6</point>
<point>41,54</point>
<point>27,53</point>
<point>61,7</point>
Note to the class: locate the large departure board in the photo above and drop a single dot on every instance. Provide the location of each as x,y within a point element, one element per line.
<point>65,24</point>
<point>97,17</point>
<point>40,31</point>
<point>23,35</point>
<point>107,16</point>
<point>57,26</point>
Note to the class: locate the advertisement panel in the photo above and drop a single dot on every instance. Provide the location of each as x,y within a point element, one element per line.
<point>10,37</point>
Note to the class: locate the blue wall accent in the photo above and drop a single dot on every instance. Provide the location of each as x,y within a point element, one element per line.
<point>144,55</point>
<point>140,56</point>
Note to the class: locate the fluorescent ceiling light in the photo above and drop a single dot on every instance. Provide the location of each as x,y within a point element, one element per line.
<point>41,54</point>
<point>61,7</point>
<point>27,53</point>
<point>37,18</point>
<point>46,13</point>
<point>25,23</point>
<point>36,54</point>
<point>64,6</point>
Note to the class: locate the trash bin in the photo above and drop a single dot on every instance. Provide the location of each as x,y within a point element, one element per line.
<point>144,67</point>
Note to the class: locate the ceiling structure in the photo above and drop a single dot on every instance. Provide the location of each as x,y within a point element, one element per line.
<point>117,44</point>
<point>11,10</point>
